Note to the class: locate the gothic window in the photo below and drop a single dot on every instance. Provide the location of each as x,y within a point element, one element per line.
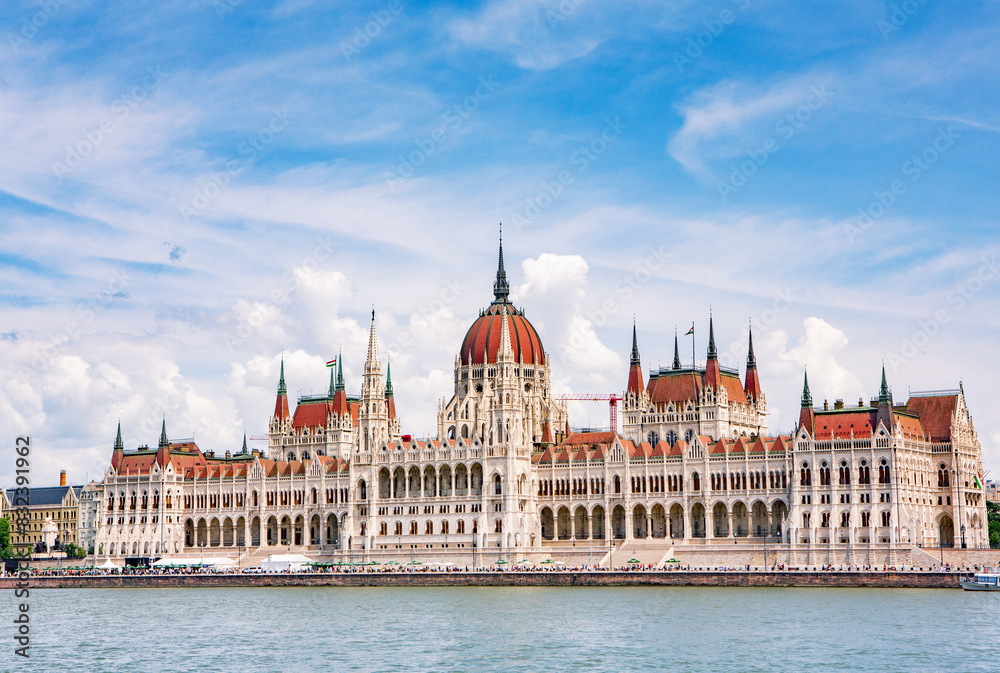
<point>688,435</point>
<point>671,438</point>
<point>653,439</point>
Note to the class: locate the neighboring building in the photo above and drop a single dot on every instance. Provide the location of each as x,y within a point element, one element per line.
<point>693,469</point>
<point>89,521</point>
<point>58,503</point>
<point>991,490</point>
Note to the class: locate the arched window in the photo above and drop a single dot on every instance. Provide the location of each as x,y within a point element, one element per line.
<point>671,438</point>
<point>653,438</point>
<point>618,484</point>
<point>497,485</point>
<point>695,482</point>
<point>688,435</point>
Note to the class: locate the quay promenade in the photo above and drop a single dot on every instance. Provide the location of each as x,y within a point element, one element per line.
<point>595,578</point>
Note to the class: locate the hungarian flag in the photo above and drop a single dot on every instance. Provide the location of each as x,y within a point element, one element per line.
<point>331,362</point>
<point>979,484</point>
<point>690,331</point>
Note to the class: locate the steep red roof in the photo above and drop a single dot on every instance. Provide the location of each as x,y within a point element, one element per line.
<point>935,414</point>
<point>312,413</point>
<point>841,424</point>
<point>281,406</point>
<point>674,387</point>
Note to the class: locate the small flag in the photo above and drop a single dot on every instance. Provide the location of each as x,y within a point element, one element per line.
<point>331,362</point>
<point>690,331</point>
<point>979,484</point>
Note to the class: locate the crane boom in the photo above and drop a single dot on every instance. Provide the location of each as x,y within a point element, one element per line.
<point>611,398</point>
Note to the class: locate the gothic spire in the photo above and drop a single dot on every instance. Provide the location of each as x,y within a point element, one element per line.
<point>118,440</point>
<point>712,353</point>
<point>333,381</point>
<point>372,364</point>
<point>635,347</point>
<point>244,443</point>
<point>281,379</point>
<point>164,442</point>
<point>751,360</point>
<point>500,288</point>
<point>884,396</point>
<point>807,399</point>
<point>677,352</point>
<point>340,371</point>
<point>388,379</point>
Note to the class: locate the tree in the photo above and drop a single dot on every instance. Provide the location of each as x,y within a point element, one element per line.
<point>6,547</point>
<point>993,517</point>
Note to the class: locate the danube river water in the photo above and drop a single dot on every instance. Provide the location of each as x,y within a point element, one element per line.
<point>478,629</point>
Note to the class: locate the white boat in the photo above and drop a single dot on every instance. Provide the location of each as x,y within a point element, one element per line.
<point>984,581</point>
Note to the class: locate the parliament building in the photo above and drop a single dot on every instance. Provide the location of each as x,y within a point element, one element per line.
<point>694,473</point>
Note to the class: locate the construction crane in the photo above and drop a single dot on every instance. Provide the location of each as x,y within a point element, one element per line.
<point>612,400</point>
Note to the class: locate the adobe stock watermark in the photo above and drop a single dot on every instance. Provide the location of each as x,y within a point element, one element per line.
<point>957,299</point>
<point>224,8</point>
<point>281,295</point>
<point>121,108</point>
<point>783,301</point>
<point>247,153</point>
<point>562,12</point>
<point>581,160</point>
<point>30,26</point>
<point>899,16</point>
<point>448,295</point>
<point>363,34</point>
<point>696,44</point>
<point>913,169</point>
<point>86,312</point>
<point>451,121</point>
<point>785,129</point>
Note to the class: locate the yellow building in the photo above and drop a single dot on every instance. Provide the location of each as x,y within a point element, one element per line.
<point>61,503</point>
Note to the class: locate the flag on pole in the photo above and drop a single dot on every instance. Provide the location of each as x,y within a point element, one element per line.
<point>331,362</point>
<point>979,484</point>
<point>690,331</point>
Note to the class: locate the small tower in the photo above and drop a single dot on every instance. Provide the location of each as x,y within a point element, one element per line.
<point>752,385</point>
<point>635,380</point>
<point>713,375</point>
<point>806,414</point>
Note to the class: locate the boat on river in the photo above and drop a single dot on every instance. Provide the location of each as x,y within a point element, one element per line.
<point>984,581</point>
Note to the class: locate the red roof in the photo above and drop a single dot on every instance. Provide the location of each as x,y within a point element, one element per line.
<point>680,386</point>
<point>935,414</point>
<point>845,424</point>
<point>482,341</point>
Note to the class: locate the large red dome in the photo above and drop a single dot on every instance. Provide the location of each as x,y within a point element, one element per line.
<point>482,341</point>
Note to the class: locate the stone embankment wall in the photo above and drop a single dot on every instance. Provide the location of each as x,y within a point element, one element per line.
<point>889,579</point>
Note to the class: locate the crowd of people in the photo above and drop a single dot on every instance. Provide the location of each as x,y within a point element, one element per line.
<point>498,567</point>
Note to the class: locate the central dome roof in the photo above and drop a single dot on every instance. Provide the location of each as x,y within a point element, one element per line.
<point>482,341</point>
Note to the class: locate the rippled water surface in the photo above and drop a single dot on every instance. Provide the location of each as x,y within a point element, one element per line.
<point>510,629</point>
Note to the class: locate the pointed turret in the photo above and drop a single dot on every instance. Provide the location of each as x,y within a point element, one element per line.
<point>340,371</point>
<point>752,385</point>
<point>281,402</point>
<point>244,449</point>
<point>164,442</point>
<point>713,375</point>
<point>501,290</point>
<point>677,352</point>
<point>340,404</point>
<point>885,403</point>
<point>390,403</point>
<point>372,364</point>
<point>333,382</point>
<point>119,452</point>
<point>884,395</point>
<point>635,380</point>
<point>806,414</point>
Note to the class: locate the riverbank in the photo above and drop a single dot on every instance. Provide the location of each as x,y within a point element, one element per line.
<point>841,579</point>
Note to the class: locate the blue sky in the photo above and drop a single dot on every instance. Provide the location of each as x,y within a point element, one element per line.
<point>188,190</point>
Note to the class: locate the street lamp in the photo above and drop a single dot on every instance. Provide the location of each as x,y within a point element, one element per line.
<point>963,535</point>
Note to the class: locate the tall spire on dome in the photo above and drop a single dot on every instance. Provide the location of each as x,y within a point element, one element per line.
<point>501,290</point>
<point>677,351</point>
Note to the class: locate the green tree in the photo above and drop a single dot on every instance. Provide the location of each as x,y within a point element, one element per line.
<point>6,547</point>
<point>993,517</point>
